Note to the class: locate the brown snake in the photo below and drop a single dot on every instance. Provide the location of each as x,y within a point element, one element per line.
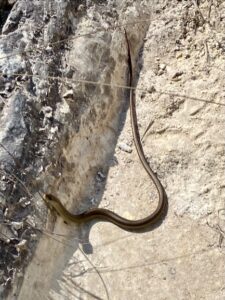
<point>107,215</point>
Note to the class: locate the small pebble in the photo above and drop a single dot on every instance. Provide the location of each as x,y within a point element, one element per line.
<point>162,66</point>
<point>68,94</point>
<point>124,147</point>
<point>100,177</point>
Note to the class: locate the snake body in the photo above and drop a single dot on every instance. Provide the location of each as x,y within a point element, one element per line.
<point>107,215</point>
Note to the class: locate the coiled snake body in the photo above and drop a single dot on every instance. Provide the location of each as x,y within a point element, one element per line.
<point>107,215</point>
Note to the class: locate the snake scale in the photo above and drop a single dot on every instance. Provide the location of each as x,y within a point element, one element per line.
<point>104,214</point>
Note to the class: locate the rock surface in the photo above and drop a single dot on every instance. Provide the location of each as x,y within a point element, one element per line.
<point>63,134</point>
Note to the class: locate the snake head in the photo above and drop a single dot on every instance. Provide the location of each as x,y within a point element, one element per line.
<point>50,200</point>
<point>54,204</point>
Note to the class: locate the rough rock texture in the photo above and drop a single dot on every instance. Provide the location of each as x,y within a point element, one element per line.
<point>63,135</point>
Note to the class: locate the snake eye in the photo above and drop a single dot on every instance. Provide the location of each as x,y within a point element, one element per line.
<point>49,197</point>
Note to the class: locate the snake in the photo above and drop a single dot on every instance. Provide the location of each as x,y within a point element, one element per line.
<point>104,214</point>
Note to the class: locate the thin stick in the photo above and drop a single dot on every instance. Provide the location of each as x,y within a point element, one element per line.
<point>97,83</point>
<point>198,10</point>
<point>101,29</point>
<point>97,271</point>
